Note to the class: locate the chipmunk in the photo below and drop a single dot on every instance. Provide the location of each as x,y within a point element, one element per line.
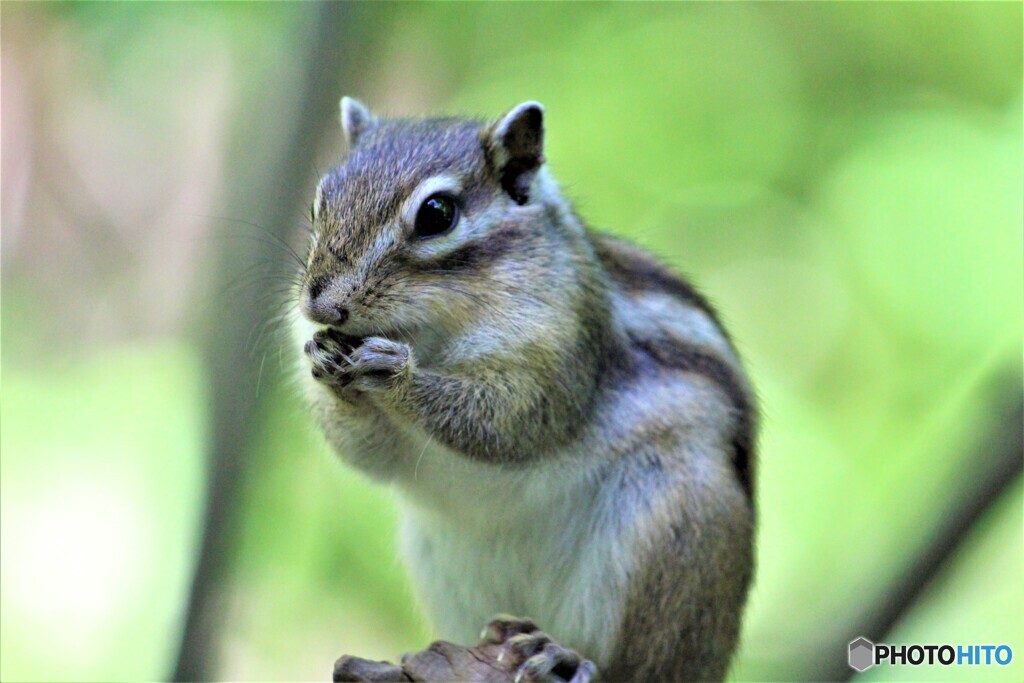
<point>566,422</point>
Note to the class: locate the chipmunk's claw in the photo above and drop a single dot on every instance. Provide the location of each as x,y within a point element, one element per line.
<point>533,655</point>
<point>329,355</point>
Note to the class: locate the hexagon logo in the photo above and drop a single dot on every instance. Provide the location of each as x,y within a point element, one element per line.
<point>862,654</point>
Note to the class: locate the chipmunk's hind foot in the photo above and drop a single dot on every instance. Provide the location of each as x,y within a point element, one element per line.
<point>533,655</point>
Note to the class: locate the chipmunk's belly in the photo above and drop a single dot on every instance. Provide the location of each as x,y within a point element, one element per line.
<point>563,566</point>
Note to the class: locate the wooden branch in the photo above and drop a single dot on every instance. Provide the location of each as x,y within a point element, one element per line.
<point>510,649</point>
<point>995,467</point>
<point>442,661</point>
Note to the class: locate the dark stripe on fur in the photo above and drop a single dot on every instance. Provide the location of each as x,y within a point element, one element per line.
<point>634,270</point>
<point>480,253</point>
<point>316,286</point>
<point>470,256</point>
<point>678,355</point>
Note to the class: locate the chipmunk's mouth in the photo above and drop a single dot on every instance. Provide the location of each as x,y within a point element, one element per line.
<point>350,339</point>
<point>348,342</point>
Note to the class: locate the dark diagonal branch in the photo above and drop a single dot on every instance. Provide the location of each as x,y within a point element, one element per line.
<point>996,467</point>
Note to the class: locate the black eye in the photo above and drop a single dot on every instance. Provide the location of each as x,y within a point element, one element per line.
<point>437,215</point>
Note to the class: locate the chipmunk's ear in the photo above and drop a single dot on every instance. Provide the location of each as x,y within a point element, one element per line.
<point>356,119</point>
<point>516,148</point>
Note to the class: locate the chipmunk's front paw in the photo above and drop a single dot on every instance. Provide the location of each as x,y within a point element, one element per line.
<point>532,654</point>
<point>380,364</point>
<point>329,354</point>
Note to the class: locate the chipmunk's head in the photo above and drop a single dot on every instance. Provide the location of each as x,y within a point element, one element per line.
<point>410,229</point>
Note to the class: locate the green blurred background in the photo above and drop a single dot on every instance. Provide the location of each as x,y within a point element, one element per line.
<point>843,180</point>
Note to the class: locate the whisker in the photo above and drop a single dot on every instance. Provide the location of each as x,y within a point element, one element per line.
<point>273,239</point>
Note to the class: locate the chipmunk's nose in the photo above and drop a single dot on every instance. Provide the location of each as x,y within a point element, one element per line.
<point>326,312</point>
<point>324,305</point>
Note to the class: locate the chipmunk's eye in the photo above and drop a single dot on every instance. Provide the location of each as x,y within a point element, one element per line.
<point>437,215</point>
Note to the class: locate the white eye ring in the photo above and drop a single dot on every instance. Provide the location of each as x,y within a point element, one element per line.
<point>441,184</point>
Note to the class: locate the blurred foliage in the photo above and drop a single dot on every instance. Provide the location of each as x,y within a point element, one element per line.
<point>100,500</point>
<point>844,180</point>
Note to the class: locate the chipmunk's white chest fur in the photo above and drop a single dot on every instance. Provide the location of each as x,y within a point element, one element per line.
<point>547,544</point>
